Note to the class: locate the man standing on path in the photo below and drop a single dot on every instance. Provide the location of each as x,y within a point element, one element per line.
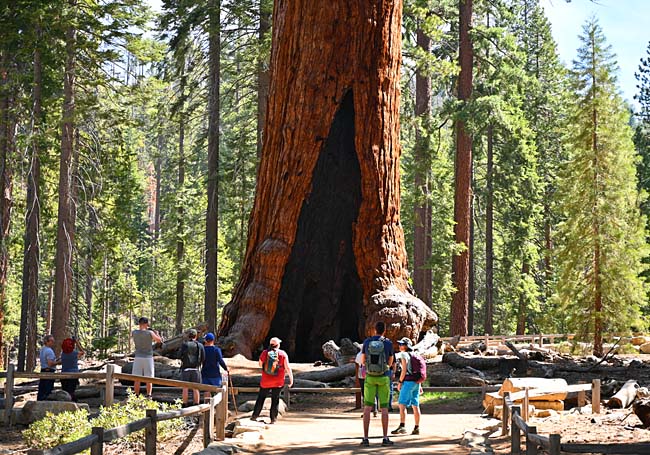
<point>275,364</point>
<point>192,356</point>
<point>143,362</point>
<point>210,372</point>
<point>377,355</point>
<point>48,365</point>
<point>409,388</point>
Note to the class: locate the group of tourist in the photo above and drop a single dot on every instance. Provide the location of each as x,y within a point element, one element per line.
<point>202,363</point>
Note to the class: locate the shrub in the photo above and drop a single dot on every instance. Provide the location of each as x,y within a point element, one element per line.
<point>57,429</point>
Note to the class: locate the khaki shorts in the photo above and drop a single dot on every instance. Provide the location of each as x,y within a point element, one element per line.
<point>143,366</point>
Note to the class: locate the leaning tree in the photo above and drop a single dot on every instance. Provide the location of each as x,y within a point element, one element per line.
<point>325,256</point>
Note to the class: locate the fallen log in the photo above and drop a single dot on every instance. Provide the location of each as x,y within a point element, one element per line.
<point>625,396</point>
<point>538,384</point>
<point>329,374</point>
<point>171,347</point>
<point>431,339</point>
<point>240,380</point>
<point>493,400</point>
<point>340,355</point>
<point>642,410</point>
<point>480,363</point>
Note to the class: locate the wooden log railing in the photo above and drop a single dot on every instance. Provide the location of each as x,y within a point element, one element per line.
<point>552,444</point>
<point>533,338</point>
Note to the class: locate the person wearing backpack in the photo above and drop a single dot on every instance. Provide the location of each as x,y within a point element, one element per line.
<point>210,371</point>
<point>192,356</point>
<point>275,365</point>
<point>377,355</point>
<point>412,374</point>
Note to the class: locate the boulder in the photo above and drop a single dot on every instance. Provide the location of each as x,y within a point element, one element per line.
<point>638,340</point>
<point>645,348</point>
<point>59,395</point>
<point>250,405</point>
<point>36,410</point>
<point>218,448</point>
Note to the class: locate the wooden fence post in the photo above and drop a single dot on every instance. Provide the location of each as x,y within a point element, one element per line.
<point>208,423</point>
<point>595,396</point>
<point>98,447</point>
<point>554,439</point>
<point>531,447</point>
<point>151,433</point>
<point>9,393</point>
<point>515,434</point>
<point>110,390</point>
<point>505,414</point>
<point>222,414</point>
<point>582,400</point>
<point>524,413</point>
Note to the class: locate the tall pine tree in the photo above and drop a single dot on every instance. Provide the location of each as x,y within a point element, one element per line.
<point>603,232</point>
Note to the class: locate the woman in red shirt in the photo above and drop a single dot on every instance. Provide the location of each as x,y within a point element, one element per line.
<point>275,365</point>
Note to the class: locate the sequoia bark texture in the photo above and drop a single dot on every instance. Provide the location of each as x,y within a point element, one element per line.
<point>325,256</point>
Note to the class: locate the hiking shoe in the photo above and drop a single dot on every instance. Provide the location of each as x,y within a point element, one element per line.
<point>415,431</point>
<point>254,418</point>
<point>273,421</point>
<point>387,442</point>
<point>399,430</point>
<point>365,442</point>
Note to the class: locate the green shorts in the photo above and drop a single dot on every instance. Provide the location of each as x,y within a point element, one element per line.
<point>379,386</point>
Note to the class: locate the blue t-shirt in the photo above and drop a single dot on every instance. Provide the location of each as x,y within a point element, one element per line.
<point>388,349</point>
<point>69,362</point>
<point>213,358</point>
<point>46,354</point>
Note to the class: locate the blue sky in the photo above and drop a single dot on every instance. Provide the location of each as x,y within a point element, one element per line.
<point>625,23</point>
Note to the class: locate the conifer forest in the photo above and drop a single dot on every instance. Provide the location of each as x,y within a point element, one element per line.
<point>304,169</point>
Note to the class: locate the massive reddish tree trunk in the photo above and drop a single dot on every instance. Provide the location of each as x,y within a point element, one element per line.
<point>66,217</point>
<point>463,188</point>
<point>325,256</point>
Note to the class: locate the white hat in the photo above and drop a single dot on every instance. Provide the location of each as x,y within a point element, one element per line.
<point>275,341</point>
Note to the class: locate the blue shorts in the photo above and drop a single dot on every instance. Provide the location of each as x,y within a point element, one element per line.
<point>409,395</point>
<point>211,381</point>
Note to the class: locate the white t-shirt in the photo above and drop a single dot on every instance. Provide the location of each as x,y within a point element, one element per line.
<point>362,367</point>
<point>398,360</point>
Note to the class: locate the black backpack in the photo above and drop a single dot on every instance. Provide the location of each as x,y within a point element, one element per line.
<point>191,357</point>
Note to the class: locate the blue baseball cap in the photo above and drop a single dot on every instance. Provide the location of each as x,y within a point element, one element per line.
<point>209,336</point>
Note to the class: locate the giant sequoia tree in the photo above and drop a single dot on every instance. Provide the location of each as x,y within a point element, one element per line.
<point>325,256</point>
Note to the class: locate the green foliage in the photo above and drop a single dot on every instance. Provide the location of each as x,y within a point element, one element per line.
<point>602,234</point>
<point>57,429</point>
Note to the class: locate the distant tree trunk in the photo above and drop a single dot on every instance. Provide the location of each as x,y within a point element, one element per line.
<point>422,248</point>
<point>31,257</point>
<point>325,257</point>
<point>598,293</point>
<point>471,291</point>
<point>66,217</point>
<point>212,218</point>
<point>262,73</point>
<point>158,171</point>
<point>7,128</point>
<point>463,190</point>
<point>489,235</point>
<point>180,211</point>
<point>522,311</point>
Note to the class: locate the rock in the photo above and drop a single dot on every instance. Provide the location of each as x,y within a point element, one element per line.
<point>59,395</point>
<point>645,348</point>
<point>545,413</point>
<point>36,410</point>
<point>250,405</point>
<point>638,341</point>
<point>472,438</point>
<point>218,448</point>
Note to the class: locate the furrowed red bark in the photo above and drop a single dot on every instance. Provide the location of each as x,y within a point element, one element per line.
<point>325,256</point>
<point>463,189</point>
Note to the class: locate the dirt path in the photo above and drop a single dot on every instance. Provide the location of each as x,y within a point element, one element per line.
<point>313,433</point>
<point>338,429</point>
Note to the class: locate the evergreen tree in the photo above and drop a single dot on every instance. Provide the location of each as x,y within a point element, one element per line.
<point>602,237</point>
